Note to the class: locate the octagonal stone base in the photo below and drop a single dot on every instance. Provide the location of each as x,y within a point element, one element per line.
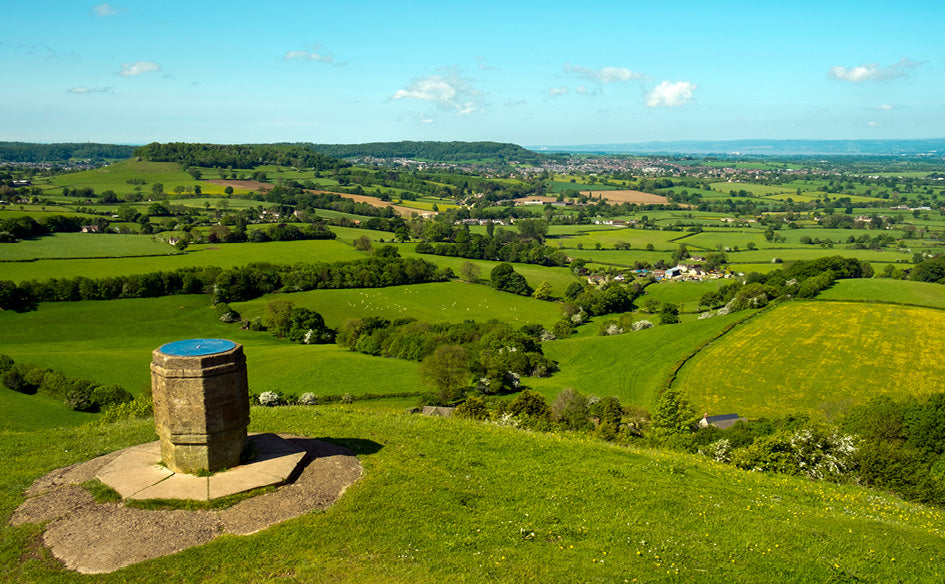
<point>138,474</point>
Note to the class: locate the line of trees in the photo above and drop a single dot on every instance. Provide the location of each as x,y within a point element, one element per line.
<point>229,285</point>
<point>79,394</point>
<point>26,227</point>
<point>454,357</point>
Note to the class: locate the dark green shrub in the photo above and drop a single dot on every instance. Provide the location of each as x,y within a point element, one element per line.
<point>473,408</point>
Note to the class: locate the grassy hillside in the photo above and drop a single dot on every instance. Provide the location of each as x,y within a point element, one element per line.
<point>83,245</point>
<point>224,255</point>
<point>815,356</point>
<point>885,290</point>
<point>455,501</point>
<point>115,177</point>
<point>93,340</point>
<point>435,302</point>
<point>633,366</point>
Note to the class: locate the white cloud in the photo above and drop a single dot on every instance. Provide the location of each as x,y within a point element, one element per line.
<point>556,91</point>
<point>105,9</point>
<point>323,57</point>
<point>424,119</point>
<point>87,90</point>
<point>873,123</point>
<point>139,68</point>
<point>447,89</point>
<point>873,72</point>
<point>884,107</point>
<point>670,94</point>
<point>604,74</point>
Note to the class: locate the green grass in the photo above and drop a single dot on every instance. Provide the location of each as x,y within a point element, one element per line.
<point>224,255</point>
<point>754,189</point>
<point>812,252</point>
<point>435,302</point>
<point>84,245</point>
<point>628,258</point>
<point>632,366</point>
<point>111,342</point>
<point>559,278</point>
<point>21,412</point>
<point>637,238</point>
<point>115,177</point>
<point>456,501</point>
<point>817,357</point>
<point>885,290</point>
<point>732,238</point>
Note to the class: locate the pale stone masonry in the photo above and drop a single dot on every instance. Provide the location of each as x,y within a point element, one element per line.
<point>201,404</point>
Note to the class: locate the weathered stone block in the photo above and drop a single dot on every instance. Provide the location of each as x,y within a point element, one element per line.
<point>201,404</point>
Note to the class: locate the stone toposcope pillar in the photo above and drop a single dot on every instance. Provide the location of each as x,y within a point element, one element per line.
<point>201,404</point>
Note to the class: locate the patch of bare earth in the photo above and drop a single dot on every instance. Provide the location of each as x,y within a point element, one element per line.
<point>375,202</point>
<point>95,538</point>
<point>638,197</point>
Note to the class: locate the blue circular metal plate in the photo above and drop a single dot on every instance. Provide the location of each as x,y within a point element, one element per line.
<point>197,347</point>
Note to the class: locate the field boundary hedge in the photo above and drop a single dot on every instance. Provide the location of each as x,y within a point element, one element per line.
<point>682,362</point>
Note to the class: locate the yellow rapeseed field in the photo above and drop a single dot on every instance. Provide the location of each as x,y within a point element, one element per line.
<point>818,358</point>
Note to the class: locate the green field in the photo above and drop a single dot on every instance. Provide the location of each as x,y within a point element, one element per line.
<point>224,255</point>
<point>754,189</point>
<point>115,177</point>
<point>435,302</point>
<point>885,290</point>
<point>812,252</point>
<point>457,501</point>
<point>632,366</point>
<point>637,238</point>
<point>93,340</point>
<point>83,245</point>
<point>32,412</point>
<point>813,357</point>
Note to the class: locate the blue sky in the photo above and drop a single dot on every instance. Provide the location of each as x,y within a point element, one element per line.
<point>531,73</point>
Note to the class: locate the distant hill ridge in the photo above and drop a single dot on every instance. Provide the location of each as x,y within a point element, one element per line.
<point>30,152</point>
<point>434,151</point>
<point>932,147</point>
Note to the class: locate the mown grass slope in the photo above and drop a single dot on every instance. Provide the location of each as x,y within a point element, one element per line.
<point>111,342</point>
<point>633,366</point>
<point>84,245</point>
<point>888,291</point>
<point>434,302</point>
<point>456,501</point>
<point>223,255</point>
<point>813,357</point>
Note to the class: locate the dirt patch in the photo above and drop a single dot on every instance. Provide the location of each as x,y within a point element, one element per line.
<point>375,202</point>
<point>94,538</point>
<point>249,185</point>
<point>638,197</point>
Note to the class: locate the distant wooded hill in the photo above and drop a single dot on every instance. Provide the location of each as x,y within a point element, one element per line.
<point>238,155</point>
<point>434,151</point>
<point>28,152</point>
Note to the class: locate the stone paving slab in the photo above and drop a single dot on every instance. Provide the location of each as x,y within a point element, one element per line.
<point>131,475</point>
<point>176,486</point>
<point>274,471</point>
<point>96,538</point>
<point>136,473</point>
